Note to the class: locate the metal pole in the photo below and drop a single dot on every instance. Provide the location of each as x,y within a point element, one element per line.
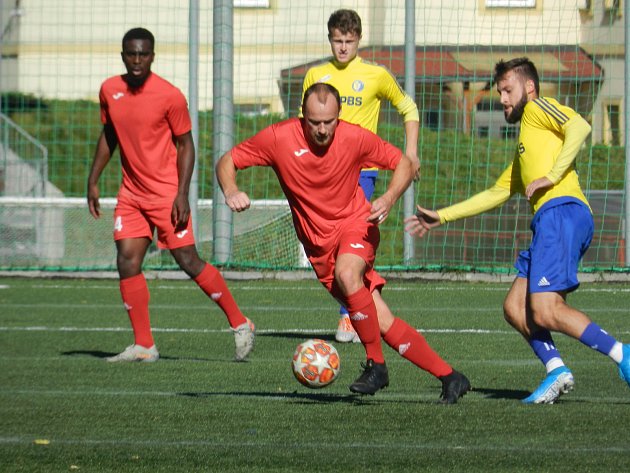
<point>626,134</point>
<point>223,120</point>
<point>193,105</point>
<point>410,88</point>
<point>2,43</point>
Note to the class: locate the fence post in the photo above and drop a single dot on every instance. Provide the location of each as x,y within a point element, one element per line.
<point>222,120</point>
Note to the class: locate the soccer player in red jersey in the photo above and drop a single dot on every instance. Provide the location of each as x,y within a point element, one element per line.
<point>318,160</point>
<point>362,86</point>
<point>148,117</point>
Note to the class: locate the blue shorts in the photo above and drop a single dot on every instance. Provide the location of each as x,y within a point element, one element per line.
<point>561,234</point>
<point>367,181</point>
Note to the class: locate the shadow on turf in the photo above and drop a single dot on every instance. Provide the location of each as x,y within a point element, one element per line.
<point>298,336</point>
<point>502,393</point>
<point>92,353</point>
<point>105,354</point>
<point>319,397</point>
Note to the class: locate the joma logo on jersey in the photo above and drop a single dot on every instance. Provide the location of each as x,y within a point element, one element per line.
<point>521,148</point>
<point>352,101</point>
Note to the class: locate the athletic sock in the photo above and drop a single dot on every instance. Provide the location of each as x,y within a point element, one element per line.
<point>212,283</point>
<point>598,339</point>
<point>364,319</point>
<point>135,296</point>
<point>411,345</point>
<point>545,349</point>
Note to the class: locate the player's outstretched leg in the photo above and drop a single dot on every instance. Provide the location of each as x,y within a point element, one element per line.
<point>598,339</point>
<point>411,345</point>
<point>557,382</point>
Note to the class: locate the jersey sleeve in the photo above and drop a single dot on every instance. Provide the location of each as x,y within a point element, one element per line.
<point>485,200</point>
<point>377,152</point>
<point>576,131</point>
<point>565,121</point>
<point>105,119</point>
<point>391,90</point>
<point>177,114</point>
<point>255,151</point>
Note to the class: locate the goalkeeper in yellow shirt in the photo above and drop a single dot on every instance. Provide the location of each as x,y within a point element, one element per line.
<point>362,85</point>
<point>562,228</point>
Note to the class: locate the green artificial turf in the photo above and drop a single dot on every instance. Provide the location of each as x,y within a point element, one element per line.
<point>63,408</point>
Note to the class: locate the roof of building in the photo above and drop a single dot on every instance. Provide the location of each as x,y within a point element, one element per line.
<point>474,63</point>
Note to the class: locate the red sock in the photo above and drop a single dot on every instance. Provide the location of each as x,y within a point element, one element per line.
<point>135,296</point>
<point>410,344</point>
<point>212,283</point>
<point>364,319</point>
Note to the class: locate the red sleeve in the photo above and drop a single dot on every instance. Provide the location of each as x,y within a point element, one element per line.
<point>379,153</point>
<point>255,151</point>
<point>177,114</point>
<point>103,102</point>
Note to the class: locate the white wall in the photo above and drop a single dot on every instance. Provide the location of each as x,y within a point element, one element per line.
<point>68,47</point>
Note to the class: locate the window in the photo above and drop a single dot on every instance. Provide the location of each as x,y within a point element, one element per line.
<point>510,3</point>
<point>611,5</point>
<point>585,5</point>
<point>432,119</point>
<point>252,109</point>
<point>612,124</point>
<point>509,132</point>
<point>251,3</point>
<point>489,104</point>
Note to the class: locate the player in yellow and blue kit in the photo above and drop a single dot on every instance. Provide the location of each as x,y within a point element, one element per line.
<point>362,86</point>
<point>562,228</point>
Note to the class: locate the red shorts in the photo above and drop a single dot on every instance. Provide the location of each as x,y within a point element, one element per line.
<point>135,219</point>
<point>360,240</point>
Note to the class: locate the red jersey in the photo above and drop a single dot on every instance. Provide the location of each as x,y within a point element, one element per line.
<point>146,120</point>
<point>323,191</point>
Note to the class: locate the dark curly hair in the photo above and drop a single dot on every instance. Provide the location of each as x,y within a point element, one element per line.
<point>521,66</point>
<point>346,21</point>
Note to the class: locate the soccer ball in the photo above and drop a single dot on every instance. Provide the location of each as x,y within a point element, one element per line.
<point>315,363</point>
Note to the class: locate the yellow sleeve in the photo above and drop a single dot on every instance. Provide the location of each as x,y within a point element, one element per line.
<point>408,109</point>
<point>404,103</point>
<point>491,198</point>
<point>575,132</point>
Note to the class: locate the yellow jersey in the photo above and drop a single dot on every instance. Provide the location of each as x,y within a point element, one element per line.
<point>362,85</point>
<point>550,137</point>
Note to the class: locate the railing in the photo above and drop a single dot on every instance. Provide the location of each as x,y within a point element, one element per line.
<point>24,161</point>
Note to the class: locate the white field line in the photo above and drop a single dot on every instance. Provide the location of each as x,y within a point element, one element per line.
<point>456,310</point>
<point>424,287</point>
<point>43,328</point>
<point>264,288</point>
<point>245,307</point>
